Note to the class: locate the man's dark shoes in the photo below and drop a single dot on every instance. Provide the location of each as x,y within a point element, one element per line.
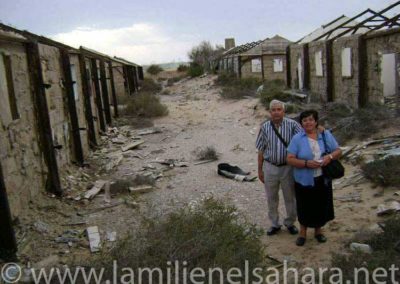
<point>300,241</point>
<point>293,230</point>
<point>321,238</point>
<point>273,230</point>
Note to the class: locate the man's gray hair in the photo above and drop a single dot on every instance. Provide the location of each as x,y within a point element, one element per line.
<point>276,102</point>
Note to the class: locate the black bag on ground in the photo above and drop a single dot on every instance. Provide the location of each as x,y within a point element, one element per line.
<point>335,168</point>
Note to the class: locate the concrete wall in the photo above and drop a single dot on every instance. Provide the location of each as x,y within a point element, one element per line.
<point>119,81</point>
<point>80,106</point>
<point>318,84</point>
<point>384,43</point>
<point>246,69</point>
<point>296,53</point>
<point>269,74</point>
<point>346,88</point>
<point>20,155</point>
<point>57,103</point>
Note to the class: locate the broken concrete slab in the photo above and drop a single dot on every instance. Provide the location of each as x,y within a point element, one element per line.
<point>41,227</point>
<point>141,189</point>
<point>386,210</point>
<point>361,247</point>
<point>131,145</point>
<point>113,163</point>
<point>111,236</point>
<point>94,238</point>
<point>149,131</point>
<point>99,184</point>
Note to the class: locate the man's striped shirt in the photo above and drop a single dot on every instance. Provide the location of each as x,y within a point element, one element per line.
<point>269,143</point>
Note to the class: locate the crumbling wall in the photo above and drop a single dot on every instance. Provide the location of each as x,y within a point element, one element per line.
<point>80,105</point>
<point>56,102</point>
<point>110,97</point>
<point>119,81</point>
<point>296,53</point>
<point>23,166</point>
<point>246,69</point>
<point>381,43</point>
<point>318,84</point>
<point>346,88</point>
<point>95,110</point>
<point>268,62</point>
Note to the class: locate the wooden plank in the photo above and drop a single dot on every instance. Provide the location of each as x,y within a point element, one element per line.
<point>131,145</point>
<point>73,114</point>
<point>86,97</point>
<point>98,185</point>
<point>42,119</point>
<point>98,100</point>
<point>104,92</point>
<point>113,93</point>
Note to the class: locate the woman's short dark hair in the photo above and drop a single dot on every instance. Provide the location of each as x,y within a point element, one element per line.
<point>308,113</point>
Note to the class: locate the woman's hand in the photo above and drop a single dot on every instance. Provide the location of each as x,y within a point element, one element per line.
<point>326,160</point>
<point>313,164</point>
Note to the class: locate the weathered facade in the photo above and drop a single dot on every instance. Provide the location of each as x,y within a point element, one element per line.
<point>55,100</point>
<point>265,59</point>
<point>347,61</point>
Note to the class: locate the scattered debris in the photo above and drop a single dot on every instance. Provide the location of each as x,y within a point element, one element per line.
<point>204,162</point>
<point>113,163</point>
<point>351,197</point>
<point>237,147</point>
<point>131,145</point>
<point>383,210</point>
<point>99,184</point>
<point>141,189</point>
<point>111,236</point>
<point>41,227</point>
<point>149,131</point>
<point>234,172</point>
<point>94,238</point>
<point>68,237</point>
<point>361,247</point>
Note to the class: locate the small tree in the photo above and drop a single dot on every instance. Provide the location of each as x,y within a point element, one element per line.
<point>154,69</point>
<point>204,53</point>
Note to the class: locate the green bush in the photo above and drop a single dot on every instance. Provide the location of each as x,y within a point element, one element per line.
<point>195,70</point>
<point>182,68</point>
<point>145,105</point>
<point>384,172</point>
<point>154,69</point>
<point>206,235</point>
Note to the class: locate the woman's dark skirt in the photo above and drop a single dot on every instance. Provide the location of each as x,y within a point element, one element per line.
<point>315,203</point>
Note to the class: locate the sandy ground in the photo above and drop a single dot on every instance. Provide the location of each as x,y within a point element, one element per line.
<point>197,118</point>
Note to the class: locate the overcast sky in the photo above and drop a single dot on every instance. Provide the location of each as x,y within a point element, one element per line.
<point>151,31</point>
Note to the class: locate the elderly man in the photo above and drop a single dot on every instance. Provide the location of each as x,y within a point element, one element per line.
<point>272,141</point>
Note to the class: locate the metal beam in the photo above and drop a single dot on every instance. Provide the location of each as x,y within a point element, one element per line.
<point>95,78</point>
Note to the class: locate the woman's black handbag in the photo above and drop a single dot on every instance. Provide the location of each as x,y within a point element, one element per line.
<point>335,168</point>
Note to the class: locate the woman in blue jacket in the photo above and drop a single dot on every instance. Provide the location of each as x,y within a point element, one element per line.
<point>307,154</point>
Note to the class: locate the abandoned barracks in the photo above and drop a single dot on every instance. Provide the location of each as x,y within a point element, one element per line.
<point>351,60</point>
<point>55,102</point>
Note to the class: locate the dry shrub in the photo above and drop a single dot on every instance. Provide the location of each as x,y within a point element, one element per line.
<point>206,235</point>
<point>207,153</point>
<point>384,255</point>
<point>235,88</point>
<point>384,172</point>
<point>359,123</point>
<point>273,90</point>
<point>145,105</point>
<point>148,85</point>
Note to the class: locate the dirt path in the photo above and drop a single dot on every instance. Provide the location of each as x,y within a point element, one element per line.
<point>197,118</point>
